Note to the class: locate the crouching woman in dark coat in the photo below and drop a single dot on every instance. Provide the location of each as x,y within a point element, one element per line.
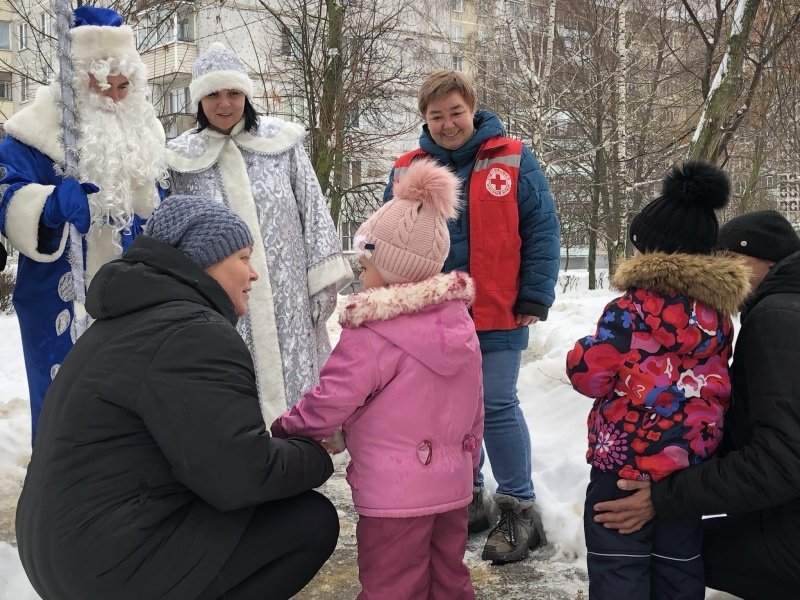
<point>153,475</point>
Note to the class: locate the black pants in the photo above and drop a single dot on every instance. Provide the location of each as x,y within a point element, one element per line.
<point>283,547</point>
<point>661,561</point>
<point>753,556</point>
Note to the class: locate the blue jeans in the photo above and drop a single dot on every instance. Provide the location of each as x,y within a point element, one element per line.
<point>505,432</point>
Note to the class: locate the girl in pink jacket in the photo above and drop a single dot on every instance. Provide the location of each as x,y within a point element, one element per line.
<point>404,384</point>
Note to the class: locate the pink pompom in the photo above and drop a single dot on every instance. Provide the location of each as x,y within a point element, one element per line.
<point>432,185</point>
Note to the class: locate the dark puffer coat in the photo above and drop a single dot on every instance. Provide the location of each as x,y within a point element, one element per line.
<point>758,472</point>
<point>151,450</point>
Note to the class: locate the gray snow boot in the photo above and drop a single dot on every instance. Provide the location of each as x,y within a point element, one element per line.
<point>478,513</point>
<point>518,530</point>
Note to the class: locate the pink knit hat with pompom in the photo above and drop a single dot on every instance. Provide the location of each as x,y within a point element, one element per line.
<point>407,238</point>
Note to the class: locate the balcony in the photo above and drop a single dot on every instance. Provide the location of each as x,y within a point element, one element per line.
<point>171,64</point>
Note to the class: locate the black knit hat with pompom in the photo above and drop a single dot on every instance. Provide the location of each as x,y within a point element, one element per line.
<point>683,218</point>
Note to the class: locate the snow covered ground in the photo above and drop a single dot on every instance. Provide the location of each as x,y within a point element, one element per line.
<point>556,414</point>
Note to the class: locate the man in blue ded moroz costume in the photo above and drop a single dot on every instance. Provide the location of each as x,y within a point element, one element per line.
<point>121,150</point>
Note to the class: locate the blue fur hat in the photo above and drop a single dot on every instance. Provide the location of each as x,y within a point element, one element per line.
<point>97,15</point>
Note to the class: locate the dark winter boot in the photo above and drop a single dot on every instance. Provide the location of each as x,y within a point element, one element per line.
<point>518,530</point>
<point>478,514</point>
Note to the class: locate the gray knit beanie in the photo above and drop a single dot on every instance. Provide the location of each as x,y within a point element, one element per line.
<point>204,230</point>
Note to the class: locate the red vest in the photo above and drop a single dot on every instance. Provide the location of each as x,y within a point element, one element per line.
<point>494,243</point>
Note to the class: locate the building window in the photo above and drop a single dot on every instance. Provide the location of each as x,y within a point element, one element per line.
<point>44,23</point>
<point>178,100</point>
<point>22,36</point>
<point>291,108</point>
<point>23,89</point>
<point>5,86</point>
<point>351,173</point>
<point>458,6</point>
<point>185,25</point>
<point>458,63</point>
<point>354,118</point>
<point>5,35</point>
<point>290,42</point>
<point>457,33</point>
<point>348,230</point>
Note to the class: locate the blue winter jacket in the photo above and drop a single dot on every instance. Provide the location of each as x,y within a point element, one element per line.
<point>538,225</point>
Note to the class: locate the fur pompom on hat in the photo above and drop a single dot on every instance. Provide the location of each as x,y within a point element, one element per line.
<point>683,218</point>
<point>407,238</point>
<point>219,68</point>
<point>206,231</point>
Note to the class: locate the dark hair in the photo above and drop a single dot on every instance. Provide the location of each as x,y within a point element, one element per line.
<point>250,117</point>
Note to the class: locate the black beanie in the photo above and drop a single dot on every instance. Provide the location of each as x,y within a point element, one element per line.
<point>764,234</point>
<point>682,218</point>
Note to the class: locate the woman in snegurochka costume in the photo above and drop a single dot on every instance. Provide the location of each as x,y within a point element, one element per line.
<point>258,167</point>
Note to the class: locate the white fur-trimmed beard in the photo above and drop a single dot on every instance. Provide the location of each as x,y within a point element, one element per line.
<point>121,154</point>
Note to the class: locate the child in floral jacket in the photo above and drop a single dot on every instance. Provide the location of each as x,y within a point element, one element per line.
<point>658,370</point>
<point>405,384</point>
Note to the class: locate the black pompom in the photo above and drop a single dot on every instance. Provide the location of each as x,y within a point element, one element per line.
<point>697,181</point>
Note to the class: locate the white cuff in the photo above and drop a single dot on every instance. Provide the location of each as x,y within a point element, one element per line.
<point>22,222</point>
<point>332,271</point>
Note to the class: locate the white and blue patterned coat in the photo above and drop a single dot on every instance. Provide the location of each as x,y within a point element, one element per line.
<point>267,178</point>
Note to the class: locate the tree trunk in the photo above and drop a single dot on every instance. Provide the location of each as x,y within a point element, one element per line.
<point>708,142</point>
<point>749,199</point>
<point>327,162</point>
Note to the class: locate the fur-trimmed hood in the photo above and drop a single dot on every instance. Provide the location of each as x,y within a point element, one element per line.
<point>385,303</point>
<point>428,320</point>
<point>720,282</point>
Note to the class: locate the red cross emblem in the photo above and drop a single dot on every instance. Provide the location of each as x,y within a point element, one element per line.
<point>499,182</point>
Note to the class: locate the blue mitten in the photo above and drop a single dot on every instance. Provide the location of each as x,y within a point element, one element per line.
<point>69,203</point>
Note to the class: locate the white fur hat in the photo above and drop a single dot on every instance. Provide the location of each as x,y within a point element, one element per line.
<point>219,68</point>
<point>99,35</point>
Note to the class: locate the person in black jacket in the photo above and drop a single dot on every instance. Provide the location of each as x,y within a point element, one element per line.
<point>153,476</point>
<point>753,550</point>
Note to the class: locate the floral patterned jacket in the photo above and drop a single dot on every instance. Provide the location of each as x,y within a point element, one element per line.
<point>658,364</point>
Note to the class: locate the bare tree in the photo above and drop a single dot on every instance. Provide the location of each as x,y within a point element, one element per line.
<point>351,65</point>
<point>757,31</point>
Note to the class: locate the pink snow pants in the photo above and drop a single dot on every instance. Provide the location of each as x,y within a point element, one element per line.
<point>417,558</point>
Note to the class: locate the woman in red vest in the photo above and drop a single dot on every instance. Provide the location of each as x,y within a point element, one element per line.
<point>507,237</point>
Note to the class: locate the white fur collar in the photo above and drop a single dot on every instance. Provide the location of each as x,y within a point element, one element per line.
<point>273,136</point>
<point>38,125</point>
<point>384,303</point>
